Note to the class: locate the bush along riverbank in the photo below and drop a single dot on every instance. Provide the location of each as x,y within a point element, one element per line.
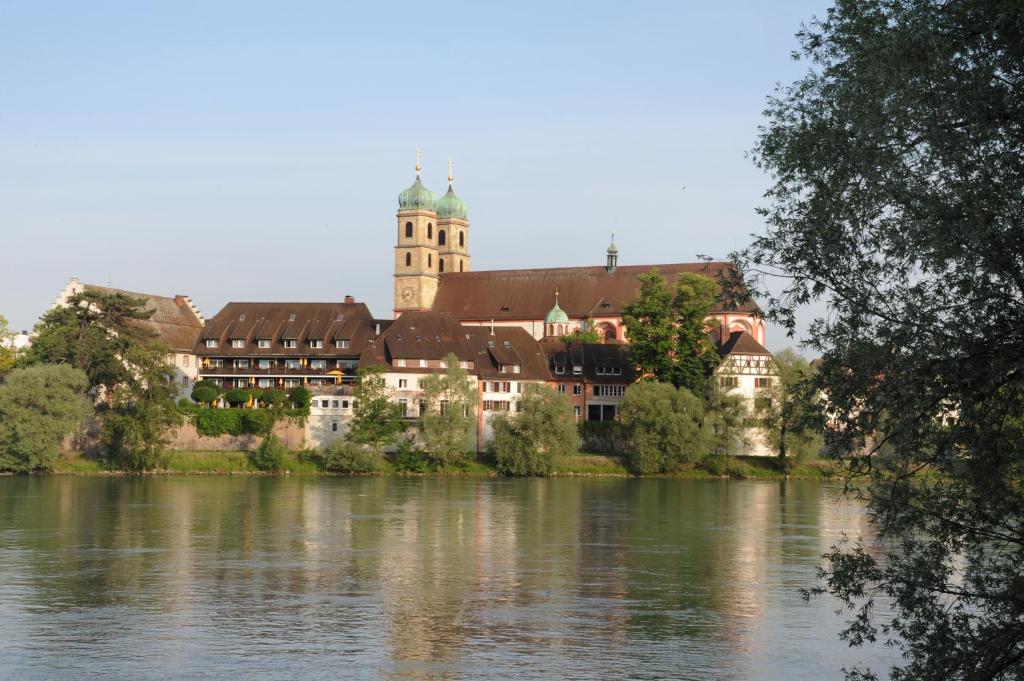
<point>310,462</point>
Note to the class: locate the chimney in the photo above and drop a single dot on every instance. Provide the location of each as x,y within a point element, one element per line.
<point>349,300</point>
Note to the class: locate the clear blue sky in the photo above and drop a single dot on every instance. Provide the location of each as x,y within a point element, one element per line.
<point>255,151</point>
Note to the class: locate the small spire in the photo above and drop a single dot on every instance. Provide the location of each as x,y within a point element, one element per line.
<point>556,296</point>
<point>451,176</point>
<point>418,166</point>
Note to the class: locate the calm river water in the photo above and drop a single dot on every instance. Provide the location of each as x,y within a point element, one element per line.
<point>329,578</point>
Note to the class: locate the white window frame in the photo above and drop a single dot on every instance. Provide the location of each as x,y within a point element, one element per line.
<point>343,344</point>
<point>238,342</point>
<point>263,343</point>
<point>211,342</point>
<point>316,344</point>
<point>290,343</point>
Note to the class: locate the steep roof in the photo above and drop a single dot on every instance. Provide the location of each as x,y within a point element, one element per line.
<point>741,343</point>
<point>508,345</point>
<point>610,359</point>
<point>302,322</point>
<point>426,335</point>
<point>174,320</point>
<point>583,291</point>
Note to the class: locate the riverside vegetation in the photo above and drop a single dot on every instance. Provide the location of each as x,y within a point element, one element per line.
<point>93,359</point>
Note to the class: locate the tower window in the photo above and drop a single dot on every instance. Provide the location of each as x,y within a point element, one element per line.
<point>440,263</point>
<point>462,238</point>
<point>441,238</point>
<point>408,259</point>
<point>460,266</point>
<point>430,261</point>
<point>408,230</point>
<point>430,230</point>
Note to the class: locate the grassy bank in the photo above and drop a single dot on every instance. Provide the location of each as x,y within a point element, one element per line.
<point>300,463</point>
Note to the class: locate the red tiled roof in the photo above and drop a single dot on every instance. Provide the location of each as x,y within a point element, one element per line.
<point>530,294</point>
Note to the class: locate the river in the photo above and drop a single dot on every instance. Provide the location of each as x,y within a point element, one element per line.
<point>418,578</point>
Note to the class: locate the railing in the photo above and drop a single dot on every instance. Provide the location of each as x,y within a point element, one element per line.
<point>272,371</point>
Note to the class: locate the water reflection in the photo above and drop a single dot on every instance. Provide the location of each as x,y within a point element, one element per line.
<point>417,578</point>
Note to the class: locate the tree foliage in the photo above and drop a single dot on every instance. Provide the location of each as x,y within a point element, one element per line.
<point>345,456</point>
<point>376,419</point>
<point>724,422</point>
<point>667,329</point>
<point>205,392</point>
<point>588,334</point>
<point>8,353</point>
<point>898,202</point>
<point>447,426</point>
<point>663,425</point>
<point>533,439</point>
<point>39,407</point>
<point>269,455</point>
<point>790,411</point>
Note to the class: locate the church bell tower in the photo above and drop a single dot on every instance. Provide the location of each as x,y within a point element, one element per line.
<point>416,252</point>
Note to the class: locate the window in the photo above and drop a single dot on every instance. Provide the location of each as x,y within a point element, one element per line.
<point>292,383</point>
<point>423,406</point>
<point>399,362</point>
<point>561,389</point>
<point>609,371</point>
<point>316,343</point>
<point>324,403</point>
<point>334,404</point>
<point>729,381</point>
<point>576,411</point>
<point>441,238</point>
<point>460,266</point>
<point>343,344</point>
<point>408,259</point>
<point>462,238</point>
<point>184,380</point>
<point>184,360</point>
<point>238,342</point>
<point>292,364</point>
<point>510,368</point>
<point>211,342</point>
<point>559,368</point>
<point>497,405</point>
<point>215,363</point>
<point>408,230</point>
<point>609,390</point>
<point>318,364</point>
<point>464,364</point>
<point>241,382</point>
<point>265,383</point>
<point>344,404</point>
<point>577,369</point>
<point>263,343</point>
<point>424,363</point>
<point>577,389</point>
<point>430,230</point>
<point>265,363</point>
<point>519,388</point>
<point>440,265</point>
<point>403,406</point>
<point>430,260</point>
<point>334,426</point>
<point>291,317</point>
<point>403,383</point>
<point>290,343</point>
<point>762,383</point>
<point>241,364</point>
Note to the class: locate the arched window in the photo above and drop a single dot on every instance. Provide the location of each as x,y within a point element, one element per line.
<point>441,240</point>
<point>440,263</point>
<point>608,331</point>
<point>460,266</point>
<point>430,261</point>
<point>408,230</point>
<point>462,238</point>
<point>430,230</point>
<point>408,259</point>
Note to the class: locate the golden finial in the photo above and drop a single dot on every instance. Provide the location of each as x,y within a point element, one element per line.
<point>450,175</point>
<point>418,166</point>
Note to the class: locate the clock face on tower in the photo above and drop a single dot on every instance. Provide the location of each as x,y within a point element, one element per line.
<point>407,293</point>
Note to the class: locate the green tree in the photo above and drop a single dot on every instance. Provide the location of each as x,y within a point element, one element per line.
<point>269,455</point>
<point>663,426</point>
<point>724,422</point>
<point>588,334</point>
<point>376,419</point>
<point>205,392</point>
<point>447,426</point>
<point>8,354</point>
<point>668,331</point>
<point>345,456</point>
<point>789,412</point>
<point>39,407</point>
<point>537,436</point>
<point>897,204</point>
<point>142,410</point>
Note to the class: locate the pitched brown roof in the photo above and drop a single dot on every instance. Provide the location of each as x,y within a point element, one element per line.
<point>302,322</point>
<point>509,345</point>
<point>741,343</point>
<point>593,357</point>
<point>426,335</point>
<point>530,294</point>
<point>174,320</point>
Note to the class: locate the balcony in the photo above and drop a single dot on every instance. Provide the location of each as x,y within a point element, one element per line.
<point>253,370</point>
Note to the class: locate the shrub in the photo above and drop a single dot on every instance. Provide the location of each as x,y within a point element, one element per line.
<point>604,437</point>
<point>300,399</point>
<point>269,456</point>
<point>213,422</point>
<point>409,459</point>
<point>237,396</point>
<point>205,392</point>
<point>540,433</point>
<point>343,456</point>
<point>663,426</point>
<point>274,398</point>
<point>257,421</point>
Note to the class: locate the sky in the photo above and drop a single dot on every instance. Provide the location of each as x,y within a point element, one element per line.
<point>255,151</point>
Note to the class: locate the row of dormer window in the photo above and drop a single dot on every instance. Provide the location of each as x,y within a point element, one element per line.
<point>428,363</point>
<point>316,364</point>
<point>292,343</point>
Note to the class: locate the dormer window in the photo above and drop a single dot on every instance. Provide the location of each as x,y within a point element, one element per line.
<point>423,363</point>
<point>559,368</point>
<point>316,343</point>
<point>577,369</point>
<point>291,317</point>
<point>263,343</point>
<point>290,343</point>
<point>211,342</point>
<point>343,344</point>
<point>237,342</point>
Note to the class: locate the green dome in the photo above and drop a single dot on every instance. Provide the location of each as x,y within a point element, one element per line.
<point>417,197</point>
<point>451,206</point>
<point>556,315</point>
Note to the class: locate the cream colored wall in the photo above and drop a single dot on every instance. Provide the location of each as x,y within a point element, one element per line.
<point>421,276</point>
<point>319,431</point>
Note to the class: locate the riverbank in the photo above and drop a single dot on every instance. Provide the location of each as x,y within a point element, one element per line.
<point>597,465</point>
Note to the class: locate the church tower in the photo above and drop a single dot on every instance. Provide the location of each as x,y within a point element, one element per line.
<point>416,255</point>
<point>452,231</point>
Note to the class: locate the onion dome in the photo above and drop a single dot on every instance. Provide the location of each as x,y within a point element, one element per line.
<point>450,205</point>
<point>612,250</point>
<point>556,315</point>
<point>417,197</point>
